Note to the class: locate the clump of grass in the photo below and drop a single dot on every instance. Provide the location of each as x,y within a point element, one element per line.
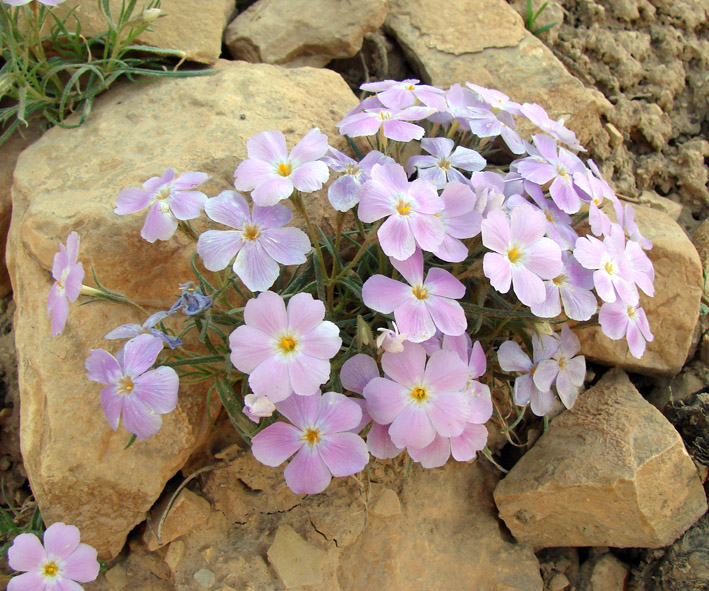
<point>532,16</point>
<point>51,72</point>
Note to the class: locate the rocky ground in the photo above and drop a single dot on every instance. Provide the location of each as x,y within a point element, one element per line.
<point>600,503</point>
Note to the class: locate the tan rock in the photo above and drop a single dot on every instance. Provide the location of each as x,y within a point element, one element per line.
<point>9,152</point>
<point>175,554</point>
<point>117,577</point>
<point>486,43</point>
<point>296,561</point>
<point>673,311</point>
<point>67,181</point>
<point>700,239</point>
<point>609,574</point>
<point>205,578</point>
<point>187,512</point>
<point>303,32</point>
<point>386,503</point>
<point>196,32</point>
<point>612,471</point>
<point>663,204</point>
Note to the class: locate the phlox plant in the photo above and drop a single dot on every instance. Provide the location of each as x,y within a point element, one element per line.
<point>471,252</point>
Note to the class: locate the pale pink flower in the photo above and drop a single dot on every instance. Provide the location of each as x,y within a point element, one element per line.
<point>566,369</point>
<point>169,198</point>
<point>394,124</point>
<point>257,407</point>
<point>68,275</point>
<point>423,305</point>
<point>461,219</point>
<point>60,564</point>
<point>442,164</point>
<point>390,339</point>
<point>406,93</point>
<point>284,350</point>
<point>537,115</point>
<point>271,173</point>
<point>619,320</point>
<point>318,436</point>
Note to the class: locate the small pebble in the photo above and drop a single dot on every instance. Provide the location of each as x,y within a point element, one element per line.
<point>559,582</point>
<point>204,577</point>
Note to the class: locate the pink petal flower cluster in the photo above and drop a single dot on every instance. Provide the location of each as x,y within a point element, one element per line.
<point>68,276</point>
<point>399,95</point>
<point>60,564</point>
<point>258,241</point>
<point>461,219</point>
<point>422,306</point>
<point>133,391</point>
<point>410,208</point>
<point>169,198</point>
<point>318,436</point>
<point>284,349</point>
<point>442,164</point>
<point>391,123</point>
<point>343,193</point>
<point>23,2</point>
<point>271,173</point>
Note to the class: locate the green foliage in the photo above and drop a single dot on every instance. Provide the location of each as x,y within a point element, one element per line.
<point>51,72</point>
<point>532,16</point>
<point>18,520</point>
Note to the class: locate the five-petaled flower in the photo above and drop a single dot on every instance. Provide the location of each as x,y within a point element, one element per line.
<point>68,275</point>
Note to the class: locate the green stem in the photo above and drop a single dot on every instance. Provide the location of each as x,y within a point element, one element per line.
<point>369,239</point>
<point>110,296</point>
<point>297,201</point>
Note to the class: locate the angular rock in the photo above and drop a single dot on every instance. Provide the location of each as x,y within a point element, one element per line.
<point>187,512</point>
<point>672,313</point>
<point>196,32</point>
<point>67,181</point>
<point>303,32</point>
<point>386,503</point>
<point>296,561</point>
<point>609,574</point>
<point>700,239</point>
<point>485,42</point>
<point>612,471</point>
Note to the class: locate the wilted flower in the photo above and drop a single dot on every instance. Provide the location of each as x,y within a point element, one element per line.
<point>191,301</point>
<point>169,198</point>
<point>133,390</point>
<point>391,340</point>
<point>131,331</point>
<point>60,564</point>
<point>319,437</point>
<point>271,173</point>
<point>68,275</point>
<point>257,407</point>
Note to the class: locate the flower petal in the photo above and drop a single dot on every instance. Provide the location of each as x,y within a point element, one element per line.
<point>140,354</point>
<point>31,581</point>
<point>81,565</point>
<point>267,312</point>
<point>406,368</point>
<point>307,473</point>
<point>287,246</point>
<point>228,208</point>
<point>138,419</point>
<point>131,200</point>
<point>271,379</point>
<point>323,342</point>
<point>60,540</point>
<point>307,374</point>
<point>412,427</point>
<point>380,444</point>
<point>447,315</point>
<point>302,411</point>
<point>446,372</point>
<point>414,320</point>
<point>396,237</point>
<point>269,146</point>
<point>112,405</point>
<point>512,358</point>
<point>187,205</point>
<point>434,455</point>
<point>305,313</point>
<point>157,389</point>
<point>272,191</point>
<point>383,294</point>
<point>102,367</point>
<point>344,453</point>
<point>26,553</point>
<point>249,347</point>
<point>276,443</point>
<point>472,440</point>
<point>357,372</point>
<point>385,399</point>
<point>159,224</point>
<point>217,248</point>
<point>313,146</point>
<point>310,176</point>
<point>255,267</point>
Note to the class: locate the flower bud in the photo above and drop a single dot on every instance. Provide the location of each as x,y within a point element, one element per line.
<point>391,341</point>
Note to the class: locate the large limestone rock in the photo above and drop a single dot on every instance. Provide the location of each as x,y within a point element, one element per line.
<point>67,181</point>
<point>444,536</point>
<point>197,32</point>
<point>674,310</point>
<point>485,42</point>
<point>612,471</point>
<point>303,32</point>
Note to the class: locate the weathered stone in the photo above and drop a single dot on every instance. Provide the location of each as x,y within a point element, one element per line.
<point>296,561</point>
<point>485,42</point>
<point>175,554</point>
<point>612,471</point>
<point>196,32</point>
<point>386,503</point>
<point>117,577</point>
<point>609,574</point>
<point>187,512</point>
<point>205,578</point>
<point>663,204</point>
<point>673,311</point>
<point>303,32</point>
<point>9,152</point>
<point>67,181</point>
<point>700,239</point>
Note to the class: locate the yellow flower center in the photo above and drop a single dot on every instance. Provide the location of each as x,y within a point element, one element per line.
<point>562,171</point>
<point>609,267</point>
<point>163,193</point>
<point>550,217</point>
<point>562,363</point>
<point>631,312</point>
<point>384,115</point>
<point>311,436</point>
<point>250,232</point>
<point>419,292</point>
<point>410,87</point>
<point>351,169</point>
<point>403,207</point>
<point>444,163</point>
<point>285,168</point>
<point>51,569</point>
<point>596,200</point>
<point>560,280</point>
<point>514,255</point>
<point>419,394</point>
<point>126,385</point>
<point>288,344</point>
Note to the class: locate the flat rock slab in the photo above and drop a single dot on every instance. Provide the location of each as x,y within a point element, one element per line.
<point>68,181</point>
<point>672,313</point>
<point>196,31</point>
<point>485,42</point>
<point>303,32</point>
<point>612,471</point>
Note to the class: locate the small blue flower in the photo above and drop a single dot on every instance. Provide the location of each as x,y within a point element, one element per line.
<point>192,301</point>
<point>131,331</point>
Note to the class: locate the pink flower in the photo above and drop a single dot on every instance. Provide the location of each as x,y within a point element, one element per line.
<point>271,173</point>
<point>522,256</point>
<point>463,448</point>
<point>169,198</point>
<point>355,374</point>
<point>419,399</point>
<point>410,209</point>
<point>537,115</point>
<point>318,437</point>
<point>565,369</point>
<point>23,2</point>
<point>60,564</point>
<point>399,95</point>
<point>393,123</point>
<point>284,350</point>
<point>423,305</point>
<point>258,241</point>
<point>68,275</point>
<point>391,340</point>
<point>619,320</point>
<point>257,407</point>
<point>512,358</point>
<point>440,167</point>
<point>133,390</point>
<point>461,219</point>
<point>474,357</point>
<point>343,193</point>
